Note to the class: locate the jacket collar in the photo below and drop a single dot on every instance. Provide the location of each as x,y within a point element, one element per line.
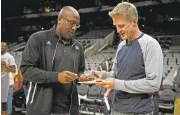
<point>53,31</point>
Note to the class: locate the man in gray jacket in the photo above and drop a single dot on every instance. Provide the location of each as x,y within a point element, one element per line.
<point>138,66</point>
<point>51,63</point>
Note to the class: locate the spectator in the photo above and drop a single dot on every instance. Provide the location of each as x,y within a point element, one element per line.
<point>7,66</point>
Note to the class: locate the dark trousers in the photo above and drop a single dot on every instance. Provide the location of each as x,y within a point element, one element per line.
<point>156,103</point>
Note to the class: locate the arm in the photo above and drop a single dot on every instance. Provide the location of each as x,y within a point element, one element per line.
<point>11,68</point>
<point>30,63</point>
<point>177,78</point>
<point>153,67</point>
<point>112,72</point>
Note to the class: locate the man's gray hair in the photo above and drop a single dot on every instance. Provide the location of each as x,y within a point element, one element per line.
<point>125,8</point>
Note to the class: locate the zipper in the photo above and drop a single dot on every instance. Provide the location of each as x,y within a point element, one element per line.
<point>72,82</point>
<point>55,51</point>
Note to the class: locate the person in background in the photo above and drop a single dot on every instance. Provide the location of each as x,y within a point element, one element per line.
<point>10,92</point>
<point>7,66</point>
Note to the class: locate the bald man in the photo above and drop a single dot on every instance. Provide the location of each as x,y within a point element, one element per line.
<point>52,62</point>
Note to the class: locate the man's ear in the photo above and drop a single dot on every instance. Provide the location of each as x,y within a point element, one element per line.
<point>135,21</point>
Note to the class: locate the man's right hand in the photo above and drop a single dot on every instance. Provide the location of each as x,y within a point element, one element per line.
<point>3,66</point>
<point>66,77</point>
<point>97,74</point>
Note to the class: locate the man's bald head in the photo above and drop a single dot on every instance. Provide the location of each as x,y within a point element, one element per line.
<point>4,43</point>
<point>68,10</point>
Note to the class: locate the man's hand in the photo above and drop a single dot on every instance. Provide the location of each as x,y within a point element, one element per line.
<point>108,84</point>
<point>84,77</point>
<point>3,66</point>
<point>3,62</point>
<point>91,76</point>
<point>97,74</point>
<point>66,77</point>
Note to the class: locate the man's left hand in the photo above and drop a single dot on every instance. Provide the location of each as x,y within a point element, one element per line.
<point>3,63</point>
<point>108,84</point>
<point>3,66</point>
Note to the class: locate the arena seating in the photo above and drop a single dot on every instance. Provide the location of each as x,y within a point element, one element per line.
<point>96,33</point>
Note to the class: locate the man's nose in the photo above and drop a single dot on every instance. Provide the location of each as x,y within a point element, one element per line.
<point>119,31</point>
<point>74,27</point>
